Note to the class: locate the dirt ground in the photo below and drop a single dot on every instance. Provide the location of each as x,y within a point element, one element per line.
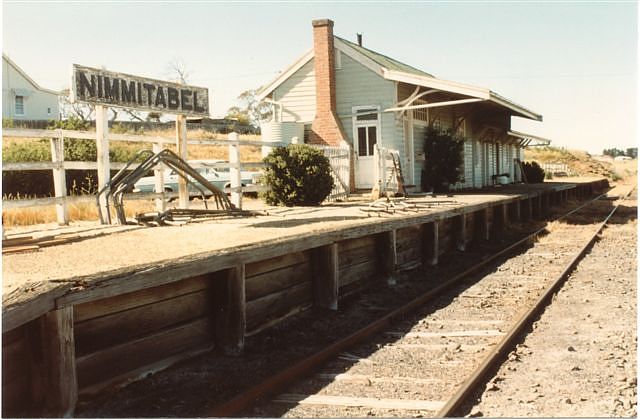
<point>580,359</point>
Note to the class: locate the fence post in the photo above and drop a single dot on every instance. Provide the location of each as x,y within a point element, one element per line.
<point>59,179</point>
<point>181,147</point>
<point>234,170</point>
<point>102,148</point>
<point>158,174</point>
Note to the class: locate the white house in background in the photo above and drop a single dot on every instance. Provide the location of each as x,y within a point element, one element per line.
<point>23,98</point>
<point>341,93</point>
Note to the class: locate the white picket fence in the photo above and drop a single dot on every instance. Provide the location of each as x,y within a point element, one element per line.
<point>58,165</point>
<point>555,168</point>
<point>339,158</point>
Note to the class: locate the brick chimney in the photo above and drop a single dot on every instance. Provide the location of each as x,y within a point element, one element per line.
<point>326,127</point>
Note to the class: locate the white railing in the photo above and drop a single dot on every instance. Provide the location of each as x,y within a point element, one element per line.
<point>58,165</point>
<point>387,170</point>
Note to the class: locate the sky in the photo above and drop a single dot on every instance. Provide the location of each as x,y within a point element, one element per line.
<point>573,62</point>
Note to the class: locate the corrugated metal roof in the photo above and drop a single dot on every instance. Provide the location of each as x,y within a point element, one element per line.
<point>384,61</point>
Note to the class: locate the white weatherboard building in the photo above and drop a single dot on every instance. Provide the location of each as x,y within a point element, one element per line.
<point>341,93</point>
<point>23,98</point>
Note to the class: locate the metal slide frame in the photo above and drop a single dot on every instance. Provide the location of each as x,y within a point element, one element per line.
<point>123,181</point>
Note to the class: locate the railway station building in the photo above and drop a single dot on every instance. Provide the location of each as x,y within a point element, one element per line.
<point>341,93</point>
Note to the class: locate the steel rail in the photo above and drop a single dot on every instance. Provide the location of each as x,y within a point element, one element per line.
<point>505,346</point>
<point>304,367</point>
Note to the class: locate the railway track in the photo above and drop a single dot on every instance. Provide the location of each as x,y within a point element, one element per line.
<point>427,357</point>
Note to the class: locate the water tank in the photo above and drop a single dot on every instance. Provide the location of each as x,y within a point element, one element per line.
<point>282,131</point>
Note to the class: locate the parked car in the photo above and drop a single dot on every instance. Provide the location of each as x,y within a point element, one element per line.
<point>219,177</point>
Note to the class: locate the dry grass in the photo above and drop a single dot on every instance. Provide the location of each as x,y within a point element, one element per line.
<point>81,211</point>
<point>579,162</point>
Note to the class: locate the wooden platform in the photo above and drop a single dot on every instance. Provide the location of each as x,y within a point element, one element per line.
<point>113,307</point>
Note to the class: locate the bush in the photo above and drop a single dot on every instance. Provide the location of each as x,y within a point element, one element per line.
<point>298,175</point>
<point>443,160</point>
<point>533,172</point>
<point>72,123</point>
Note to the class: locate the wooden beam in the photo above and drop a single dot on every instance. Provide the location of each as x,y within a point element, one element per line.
<point>326,272</point>
<point>430,243</point>
<point>386,244</point>
<point>102,149</point>
<point>374,403</point>
<point>181,147</point>
<point>231,316</point>
<point>460,228</point>
<point>515,210</point>
<point>433,105</point>
<point>158,177</point>
<point>59,179</point>
<point>234,170</point>
<point>54,385</point>
<point>482,229</point>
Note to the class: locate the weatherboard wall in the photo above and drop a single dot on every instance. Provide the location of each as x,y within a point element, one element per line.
<point>297,94</point>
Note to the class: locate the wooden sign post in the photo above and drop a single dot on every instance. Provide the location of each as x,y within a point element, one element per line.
<point>104,89</point>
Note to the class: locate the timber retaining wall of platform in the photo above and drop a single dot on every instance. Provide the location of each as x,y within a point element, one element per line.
<point>82,347</point>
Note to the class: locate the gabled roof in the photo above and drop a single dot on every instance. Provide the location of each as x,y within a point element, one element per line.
<point>26,76</point>
<point>391,69</point>
<point>384,61</point>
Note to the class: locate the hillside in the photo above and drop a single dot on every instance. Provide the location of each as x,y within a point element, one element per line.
<point>581,163</point>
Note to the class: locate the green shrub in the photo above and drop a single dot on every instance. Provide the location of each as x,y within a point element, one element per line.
<point>27,151</point>
<point>298,175</point>
<point>548,175</point>
<point>533,172</point>
<point>443,160</point>
<point>72,123</point>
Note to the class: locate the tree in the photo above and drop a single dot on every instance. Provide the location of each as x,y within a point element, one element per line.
<point>177,70</point>
<point>632,152</point>
<point>613,152</point>
<point>240,115</point>
<point>154,116</point>
<point>83,111</point>
<point>443,160</point>
<point>251,110</point>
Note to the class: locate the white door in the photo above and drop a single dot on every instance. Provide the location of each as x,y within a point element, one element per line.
<point>366,139</point>
<point>366,134</point>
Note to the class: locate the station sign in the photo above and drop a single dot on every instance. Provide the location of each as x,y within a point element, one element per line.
<point>102,87</point>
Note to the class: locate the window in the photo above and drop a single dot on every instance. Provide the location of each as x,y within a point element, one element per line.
<point>338,60</point>
<point>421,114</point>
<point>19,105</point>
<point>366,126</point>
<point>48,111</point>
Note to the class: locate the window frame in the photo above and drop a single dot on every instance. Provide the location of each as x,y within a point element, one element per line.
<point>15,106</point>
<point>377,123</point>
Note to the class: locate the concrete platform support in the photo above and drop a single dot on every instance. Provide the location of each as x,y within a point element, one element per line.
<point>460,226</point>
<point>231,317</point>
<point>325,269</point>
<point>54,383</point>
<point>386,243</point>
<point>430,243</point>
